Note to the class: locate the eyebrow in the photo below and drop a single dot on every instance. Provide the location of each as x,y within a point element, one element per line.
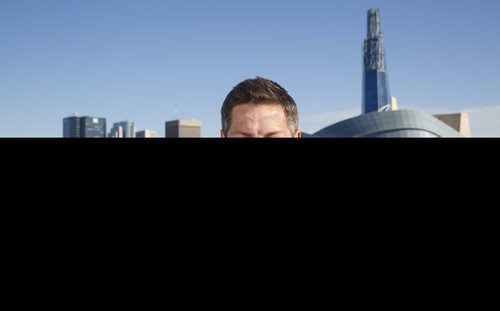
<point>243,133</point>
<point>247,134</point>
<point>272,134</point>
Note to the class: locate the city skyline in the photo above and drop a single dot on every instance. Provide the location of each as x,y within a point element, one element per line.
<point>151,61</point>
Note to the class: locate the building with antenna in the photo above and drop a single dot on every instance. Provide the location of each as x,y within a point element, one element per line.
<point>183,129</point>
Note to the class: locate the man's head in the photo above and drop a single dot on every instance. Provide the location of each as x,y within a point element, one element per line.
<point>259,108</point>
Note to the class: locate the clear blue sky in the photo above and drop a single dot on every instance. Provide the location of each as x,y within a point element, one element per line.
<point>142,60</point>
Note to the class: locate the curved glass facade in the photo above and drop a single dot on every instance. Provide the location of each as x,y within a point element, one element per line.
<point>400,123</point>
<point>405,133</point>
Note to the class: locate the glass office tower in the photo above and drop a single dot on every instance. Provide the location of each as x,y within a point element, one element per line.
<point>123,129</point>
<point>84,127</point>
<point>71,127</point>
<point>92,127</point>
<point>376,95</point>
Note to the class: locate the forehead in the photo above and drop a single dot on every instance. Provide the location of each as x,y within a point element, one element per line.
<point>259,120</point>
<point>262,110</point>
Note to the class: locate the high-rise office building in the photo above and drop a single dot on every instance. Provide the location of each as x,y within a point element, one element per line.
<point>84,127</point>
<point>182,128</point>
<point>124,129</point>
<point>92,127</point>
<point>376,95</point>
<point>71,127</point>
<point>145,134</point>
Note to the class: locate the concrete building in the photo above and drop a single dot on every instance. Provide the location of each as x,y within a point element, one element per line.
<point>458,121</point>
<point>145,134</point>
<point>183,129</point>
<point>393,105</point>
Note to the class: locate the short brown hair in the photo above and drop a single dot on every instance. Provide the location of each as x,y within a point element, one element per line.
<point>259,91</point>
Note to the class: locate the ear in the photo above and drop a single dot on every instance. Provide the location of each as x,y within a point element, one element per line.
<point>298,134</point>
<point>222,134</point>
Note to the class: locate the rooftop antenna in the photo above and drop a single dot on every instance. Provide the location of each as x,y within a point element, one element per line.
<point>176,112</point>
